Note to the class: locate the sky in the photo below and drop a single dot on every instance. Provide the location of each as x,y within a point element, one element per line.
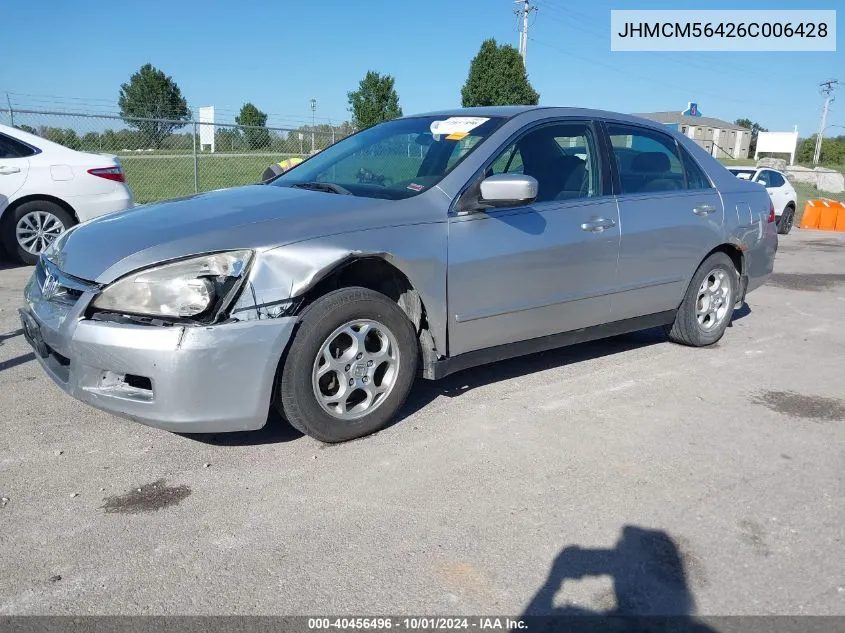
<point>74,54</point>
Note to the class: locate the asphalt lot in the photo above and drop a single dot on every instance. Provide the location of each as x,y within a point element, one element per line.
<point>629,473</point>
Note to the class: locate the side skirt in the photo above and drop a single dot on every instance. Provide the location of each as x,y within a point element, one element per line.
<point>446,366</point>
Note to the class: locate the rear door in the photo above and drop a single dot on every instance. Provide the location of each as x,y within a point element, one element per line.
<point>670,214</point>
<point>14,166</point>
<point>542,268</point>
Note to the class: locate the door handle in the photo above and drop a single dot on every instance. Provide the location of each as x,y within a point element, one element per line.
<point>704,210</point>
<point>4,170</point>
<point>598,225</point>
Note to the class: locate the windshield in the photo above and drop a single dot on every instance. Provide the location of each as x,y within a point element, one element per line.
<point>393,160</point>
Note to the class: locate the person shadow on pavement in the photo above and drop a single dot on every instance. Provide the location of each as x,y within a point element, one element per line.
<point>650,587</point>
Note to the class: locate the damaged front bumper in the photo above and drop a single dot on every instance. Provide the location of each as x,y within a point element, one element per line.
<point>182,378</point>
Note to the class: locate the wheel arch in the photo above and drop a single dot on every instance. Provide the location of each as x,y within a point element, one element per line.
<point>33,197</point>
<point>734,251</point>
<point>377,272</point>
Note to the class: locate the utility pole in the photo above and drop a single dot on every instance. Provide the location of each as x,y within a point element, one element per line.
<point>313,121</point>
<point>11,112</point>
<point>827,88</point>
<point>523,10</point>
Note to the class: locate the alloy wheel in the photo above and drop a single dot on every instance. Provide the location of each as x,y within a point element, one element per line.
<point>36,230</point>
<point>355,369</point>
<point>714,301</point>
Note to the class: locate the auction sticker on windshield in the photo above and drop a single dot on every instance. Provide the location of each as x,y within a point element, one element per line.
<point>457,125</point>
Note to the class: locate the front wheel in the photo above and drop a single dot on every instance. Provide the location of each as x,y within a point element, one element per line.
<point>708,304</point>
<point>786,220</point>
<point>350,366</point>
<point>32,227</point>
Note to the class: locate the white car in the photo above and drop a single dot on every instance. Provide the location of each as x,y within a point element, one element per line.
<point>46,188</point>
<point>783,195</point>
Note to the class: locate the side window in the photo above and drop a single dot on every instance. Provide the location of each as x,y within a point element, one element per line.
<point>775,179</point>
<point>647,160</point>
<point>509,162</point>
<point>763,178</point>
<point>561,156</point>
<point>10,148</point>
<point>696,179</point>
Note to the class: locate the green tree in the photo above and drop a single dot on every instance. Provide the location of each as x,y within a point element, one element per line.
<point>254,127</point>
<point>62,136</point>
<point>91,142</point>
<point>27,128</point>
<point>755,128</point>
<point>374,101</point>
<point>227,139</point>
<point>497,77</point>
<point>150,94</point>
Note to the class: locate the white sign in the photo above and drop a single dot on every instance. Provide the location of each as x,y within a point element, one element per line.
<point>460,125</point>
<point>777,143</point>
<point>207,128</point>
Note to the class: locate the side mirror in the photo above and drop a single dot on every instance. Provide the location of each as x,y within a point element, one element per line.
<point>508,190</point>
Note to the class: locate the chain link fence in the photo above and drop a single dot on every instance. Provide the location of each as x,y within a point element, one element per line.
<point>168,158</point>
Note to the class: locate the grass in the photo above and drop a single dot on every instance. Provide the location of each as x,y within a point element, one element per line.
<point>153,179</point>
<point>738,162</point>
<point>171,176</point>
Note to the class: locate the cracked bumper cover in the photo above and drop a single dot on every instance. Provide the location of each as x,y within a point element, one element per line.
<point>203,379</point>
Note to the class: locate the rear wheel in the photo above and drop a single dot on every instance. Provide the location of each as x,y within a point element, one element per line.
<point>786,220</point>
<point>708,303</point>
<point>31,227</point>
<point>350,366</point>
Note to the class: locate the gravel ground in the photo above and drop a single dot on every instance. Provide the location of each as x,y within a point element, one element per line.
<point>627,474</point>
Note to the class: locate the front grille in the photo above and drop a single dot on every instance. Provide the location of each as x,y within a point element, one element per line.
<point>60,287</point>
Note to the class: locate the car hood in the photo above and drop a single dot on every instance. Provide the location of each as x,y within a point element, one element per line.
<point>256,216</point>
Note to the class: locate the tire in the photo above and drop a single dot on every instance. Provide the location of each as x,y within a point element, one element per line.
<point>688,328</point>
<point>786,221</point>
<point>388,347</point>
<point>28,217</point>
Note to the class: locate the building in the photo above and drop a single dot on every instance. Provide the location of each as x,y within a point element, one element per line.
<point>719,138</point>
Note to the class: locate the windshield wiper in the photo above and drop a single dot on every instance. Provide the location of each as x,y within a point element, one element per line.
<point>328,187</point>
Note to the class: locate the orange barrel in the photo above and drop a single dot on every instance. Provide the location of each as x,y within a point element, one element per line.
<point>840,218</point>
<point>812,211</point>
<point>829,213</point>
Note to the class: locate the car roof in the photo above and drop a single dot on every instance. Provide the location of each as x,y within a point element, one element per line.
<point>491,111</point>
<point>562,111</point>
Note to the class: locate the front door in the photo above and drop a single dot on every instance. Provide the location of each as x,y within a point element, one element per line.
<point>546,267</point>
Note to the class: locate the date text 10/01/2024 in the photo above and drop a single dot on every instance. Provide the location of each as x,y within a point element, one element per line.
<point>416,623</point>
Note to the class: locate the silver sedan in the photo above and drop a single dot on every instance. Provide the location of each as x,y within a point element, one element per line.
<point>421,246</point>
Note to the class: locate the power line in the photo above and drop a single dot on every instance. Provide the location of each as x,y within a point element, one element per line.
<point>587,21</point>
<point>108,108</point>
<point>638,76</point>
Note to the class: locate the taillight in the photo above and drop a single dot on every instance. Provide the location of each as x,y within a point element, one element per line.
<point>771,212</point>
<point>109,173</point>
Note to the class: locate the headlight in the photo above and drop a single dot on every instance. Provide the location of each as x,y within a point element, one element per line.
<point>185,288</point>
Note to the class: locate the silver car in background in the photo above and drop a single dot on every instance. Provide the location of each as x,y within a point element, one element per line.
<point>424,245</point>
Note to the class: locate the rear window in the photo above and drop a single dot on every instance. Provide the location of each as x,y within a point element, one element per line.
<point>12,148</point>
